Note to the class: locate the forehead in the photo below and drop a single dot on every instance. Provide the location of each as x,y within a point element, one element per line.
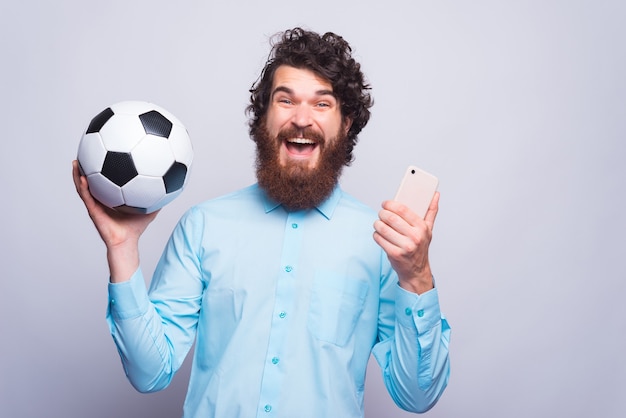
<point>300,79</point>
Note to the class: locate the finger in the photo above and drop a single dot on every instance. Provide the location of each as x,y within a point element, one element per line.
<point>411,218</point>
<point>82,188</point>
<point>389,248</point>
<point>392,229</point>
<point>80,181</point>
<point>404,221</point>
<point>431,213</point>
<point>76,176</point>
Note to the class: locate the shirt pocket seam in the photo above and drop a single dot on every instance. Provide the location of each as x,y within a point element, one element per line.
<point>336,304</point>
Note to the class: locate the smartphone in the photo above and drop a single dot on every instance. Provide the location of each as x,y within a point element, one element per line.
<point>417,190</point>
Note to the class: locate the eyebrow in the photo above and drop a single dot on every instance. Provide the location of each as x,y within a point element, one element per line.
<point>285,89</point>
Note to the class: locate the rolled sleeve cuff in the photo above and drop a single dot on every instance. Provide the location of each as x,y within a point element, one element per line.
<point>128,299</point>
<point>419,312</point>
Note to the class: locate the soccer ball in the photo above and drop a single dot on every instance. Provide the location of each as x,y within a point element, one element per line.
<point>136,157</point>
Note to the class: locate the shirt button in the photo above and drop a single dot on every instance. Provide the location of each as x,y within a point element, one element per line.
<point>408,311</point>
<point>420,313</point>
<point>294,225</point>
<point>275,360</point>
<point>282,315</point>
<point>288,269</point>
<point>267,408</point>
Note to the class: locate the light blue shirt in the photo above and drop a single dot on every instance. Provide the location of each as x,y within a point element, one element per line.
<point>285,309</point>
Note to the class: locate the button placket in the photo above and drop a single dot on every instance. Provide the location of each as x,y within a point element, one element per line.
<point>284,299</point>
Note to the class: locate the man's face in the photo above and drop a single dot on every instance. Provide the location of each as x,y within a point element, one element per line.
<point>303,115</point>
<point>301,141</point>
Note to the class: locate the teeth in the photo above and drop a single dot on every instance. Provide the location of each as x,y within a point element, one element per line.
<point>301,141</point>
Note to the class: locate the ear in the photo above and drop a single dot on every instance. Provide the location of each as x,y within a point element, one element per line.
<point>347,124</point>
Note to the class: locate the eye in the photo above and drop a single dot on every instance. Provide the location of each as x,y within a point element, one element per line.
<point>284,101</point>
<point>326,101</point>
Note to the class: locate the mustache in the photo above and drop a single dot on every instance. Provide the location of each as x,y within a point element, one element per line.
<point>293,132</point>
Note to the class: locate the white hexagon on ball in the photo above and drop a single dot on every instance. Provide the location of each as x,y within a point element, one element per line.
<point>143,191</point>
<point>153,156</point>
<point>122,133</point>
<point>105,191</point>
<point>181,146</point>
<point>91,153</point>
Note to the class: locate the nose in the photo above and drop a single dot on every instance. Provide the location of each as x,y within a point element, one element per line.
<point>302,116</point>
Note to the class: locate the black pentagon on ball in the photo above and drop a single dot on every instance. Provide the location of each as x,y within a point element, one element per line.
<point>156,124</point>
<point>99,120</point>
<point>119,167</point>
<point>174,179</point>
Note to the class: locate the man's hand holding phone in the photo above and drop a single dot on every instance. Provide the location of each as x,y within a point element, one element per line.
<point>404,229</point>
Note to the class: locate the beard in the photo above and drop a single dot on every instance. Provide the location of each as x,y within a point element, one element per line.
<point>295,185</point>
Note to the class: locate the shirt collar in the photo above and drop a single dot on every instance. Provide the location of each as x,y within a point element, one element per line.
<point>326,208</point>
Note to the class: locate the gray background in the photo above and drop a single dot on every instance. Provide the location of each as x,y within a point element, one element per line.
<point>518,106</point>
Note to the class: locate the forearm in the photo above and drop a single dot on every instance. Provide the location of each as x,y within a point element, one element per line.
<point>419,391</point>
<point>137,331</point>
<point>415,358</point>
<point>154,331</point>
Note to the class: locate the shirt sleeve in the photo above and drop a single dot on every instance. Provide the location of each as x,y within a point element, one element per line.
<point>413,348</point>
<point>154,330</point>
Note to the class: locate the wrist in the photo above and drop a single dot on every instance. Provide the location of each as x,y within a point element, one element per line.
<point>419,284</point>
<point>123,261</point>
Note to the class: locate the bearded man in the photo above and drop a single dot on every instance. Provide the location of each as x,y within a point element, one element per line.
<point>281,285</point>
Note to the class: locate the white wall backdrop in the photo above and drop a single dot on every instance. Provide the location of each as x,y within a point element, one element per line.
<point>518,106</point>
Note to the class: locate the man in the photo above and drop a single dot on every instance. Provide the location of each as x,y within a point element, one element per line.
<point>281,285</point>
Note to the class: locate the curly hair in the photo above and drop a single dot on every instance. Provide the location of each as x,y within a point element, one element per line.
<point>328,56</point>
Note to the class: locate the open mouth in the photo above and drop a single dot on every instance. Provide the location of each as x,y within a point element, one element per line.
<point>300,146</point>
